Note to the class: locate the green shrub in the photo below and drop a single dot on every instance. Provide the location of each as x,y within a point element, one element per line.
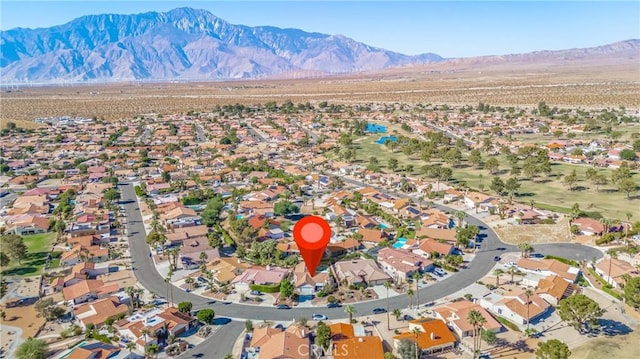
<point>507,323</point>
<point>264,288</point>
<point>139,191</point>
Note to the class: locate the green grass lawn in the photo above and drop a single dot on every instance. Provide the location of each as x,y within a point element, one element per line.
<point>551,191</point>
<point>626,129</point>
<point>38,247</point>
<point>55,260</point>
<point>548,192</point>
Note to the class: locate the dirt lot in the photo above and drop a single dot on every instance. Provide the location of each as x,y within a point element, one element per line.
<point>124,278</point>
<point>535,233</point>
<point>24,318</point>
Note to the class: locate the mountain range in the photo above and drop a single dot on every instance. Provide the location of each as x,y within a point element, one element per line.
<point>191,44</point>
<point>183,43</point>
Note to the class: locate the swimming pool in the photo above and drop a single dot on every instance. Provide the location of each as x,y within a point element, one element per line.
<point>383,226</point>
<point>400,243</point>
<point>384,139</point>
<point>373,128</point>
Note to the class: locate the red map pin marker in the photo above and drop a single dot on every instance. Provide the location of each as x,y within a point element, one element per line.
<point>312,234</point>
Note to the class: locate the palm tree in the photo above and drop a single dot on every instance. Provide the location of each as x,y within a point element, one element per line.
<point>525,249</point>
<point>350,310</point>
<point>416,331</point>
<point>387,285</point>
<point>203,257</point>
<point>169,286</point>
<point>130,346</point>
<point>512,271</point>
<point>416,278</point>
<point>612,255</point>
<point>528,293</point>
<point>461,215</point>
<point>129,291</point>
<point>145,331</point>
<point>481,324</point>
<point>498,272</point>
<point>410,295</point>
<point>475,319</point>
<point>189,281</point>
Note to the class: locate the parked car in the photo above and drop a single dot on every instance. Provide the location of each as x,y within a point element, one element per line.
<point>319,317</point>
<point>283,306</point>
<point>439,271</point>
<point>496,258</point>
<point>255,292</point>
<point>379,310</point>
<point>333,305</point>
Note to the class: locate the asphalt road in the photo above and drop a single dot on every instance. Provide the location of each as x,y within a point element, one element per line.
<point>149,277</point>
<point>218,344</point>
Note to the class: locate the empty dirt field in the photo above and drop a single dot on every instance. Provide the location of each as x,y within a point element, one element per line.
<point>570,83</point>
<point>535,233</point>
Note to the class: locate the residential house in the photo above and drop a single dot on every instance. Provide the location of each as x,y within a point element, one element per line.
<point>168,319</point>
<point>614,270</point>
<point>588,226</point>
<point>98,311</point>
<point>191,252</point>
<point>306,285</point>
<point>259,275</point>
<point>177,235</point>
<point>180,216</point>
<point>351,341</point>
<point>516,307</point>
<point>225,269</point>
<point>341,248</point>
<point>452,194</point>
<point>434,337</point>
<point>401,264</point>
<point>429,246</point>
<point>553,289</point>
<point>444,234</point>
<point>480,201</point>
<point>26,224</point>
<point>88,289</point>
<point>293,343</point>
<point>548,267</point>
<point>93,350</point>
<point>360,272</point>
<point>372,236</point>
<point>456,315</point>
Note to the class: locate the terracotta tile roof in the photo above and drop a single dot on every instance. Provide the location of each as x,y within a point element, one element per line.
<point>369,347</point>
<point>341,331</point>
<point>285,345</point>
<point>431,245</point>
<point>517,303</point>
<point>262,335</point>
<point>552,265</point>
<point>372,235</point>
<point>435,333</point>
<point>556,287</point>
<point>98,311</point>
<point>437,233</point>
<point>458,312</point>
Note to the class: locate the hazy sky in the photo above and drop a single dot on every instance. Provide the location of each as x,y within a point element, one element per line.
<point>450,29</point>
